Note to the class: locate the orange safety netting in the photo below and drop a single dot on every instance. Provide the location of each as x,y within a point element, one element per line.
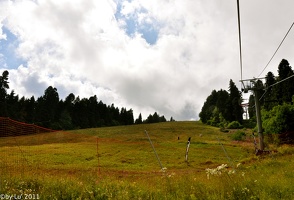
<point>9,127</point>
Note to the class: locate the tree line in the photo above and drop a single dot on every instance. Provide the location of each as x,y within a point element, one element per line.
<point>222,107</point>
<point>73,112</point>
<point>276,95</point>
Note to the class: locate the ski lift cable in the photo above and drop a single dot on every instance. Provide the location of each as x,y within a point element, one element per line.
<point>274,85</point>
<point>240,43</point>
<point>276,50</point>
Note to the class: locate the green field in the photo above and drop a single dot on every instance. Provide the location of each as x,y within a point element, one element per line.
<point>119,163</point>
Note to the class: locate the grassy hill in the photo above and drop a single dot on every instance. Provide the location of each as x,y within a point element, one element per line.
<point>119,163</point>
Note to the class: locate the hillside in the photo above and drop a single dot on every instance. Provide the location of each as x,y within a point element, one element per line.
<point>68,162</point>
<point>128,148</point>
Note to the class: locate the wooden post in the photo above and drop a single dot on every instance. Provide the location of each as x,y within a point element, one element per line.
<point>187,149</point>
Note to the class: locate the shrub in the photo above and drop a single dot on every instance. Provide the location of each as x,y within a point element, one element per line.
<point>234,125</point>
<point>278,120</point>
<point>238,135</point>
<point>212,122</point>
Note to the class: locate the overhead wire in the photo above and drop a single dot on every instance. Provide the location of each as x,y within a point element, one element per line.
<point>240,43</point>
<point>266,89</point>
<point>277,49</point>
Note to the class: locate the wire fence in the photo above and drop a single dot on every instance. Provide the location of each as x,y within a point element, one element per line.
<point>28,150</point>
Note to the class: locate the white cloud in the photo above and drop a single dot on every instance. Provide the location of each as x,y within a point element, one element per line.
<point>81,47</point>
<point>3,13</point>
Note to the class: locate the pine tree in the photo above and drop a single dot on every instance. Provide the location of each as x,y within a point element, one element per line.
<point>269,97</point>
<point>139,120</point>
<point>235,99</point>
<point>285,89</point>
<point>3,93</point>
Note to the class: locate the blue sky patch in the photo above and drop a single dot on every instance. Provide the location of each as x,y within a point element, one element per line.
<point>148,30</point>
<point>9,59</point>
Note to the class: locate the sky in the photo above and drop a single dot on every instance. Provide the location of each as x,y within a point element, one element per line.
<point>152,56</point>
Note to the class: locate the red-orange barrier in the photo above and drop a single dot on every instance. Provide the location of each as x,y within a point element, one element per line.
<point>9,127</point>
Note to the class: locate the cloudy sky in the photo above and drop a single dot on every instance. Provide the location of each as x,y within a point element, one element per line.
<point>148,55</point>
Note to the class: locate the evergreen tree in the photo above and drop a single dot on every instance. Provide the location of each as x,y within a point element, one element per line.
<point>221,106</point>
<point>47,107</point>
<point>235,99</point>
<point>14,109</point>
<point>223,103</point>
<point>269,97</point>
<point>65,109</point>
<point>30,110</point>
<point>162,119</point>
<point>208,107</point>
<point>127,117</point>
<point>155,117</point>
<point>3,93</point>
<point>114,115</point>
<point>149,119</point>
<point>81,115</point>
<point>285,89</point>
<point>139,120</point>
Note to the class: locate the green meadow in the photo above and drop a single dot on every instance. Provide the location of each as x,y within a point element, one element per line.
<point>119,163</point>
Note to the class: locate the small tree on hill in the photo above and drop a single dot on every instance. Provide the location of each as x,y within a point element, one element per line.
<point>139,120</point>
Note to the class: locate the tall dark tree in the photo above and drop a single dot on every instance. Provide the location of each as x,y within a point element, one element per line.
<point>114,115</point>
<point>155,117</point>
<point>65,111</point>
<point>93,111</point>
<point>221,106</point>
<point>149,119</point>
<point>208,107</point>
<point>14,107</point>
<point>223,103</point>
<point>216,108</point>
<point>235,100</point>
<point>3,93</point>
<point>269,98</point>
<point>47,107</point>
<point>126,116</point>
<point>285,89</point>
<point>30,109</point>
<point>80,116</point>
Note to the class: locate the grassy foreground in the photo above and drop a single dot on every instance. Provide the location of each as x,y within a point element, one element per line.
<point>119,163</point>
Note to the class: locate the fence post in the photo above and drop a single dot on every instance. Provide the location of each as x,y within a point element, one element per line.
<point>187,149</point>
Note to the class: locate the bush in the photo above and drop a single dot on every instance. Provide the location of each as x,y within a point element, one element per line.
<point>238,135</point>
<point>234,125</point>
<point>212,122</point>
<point>278,120</point>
